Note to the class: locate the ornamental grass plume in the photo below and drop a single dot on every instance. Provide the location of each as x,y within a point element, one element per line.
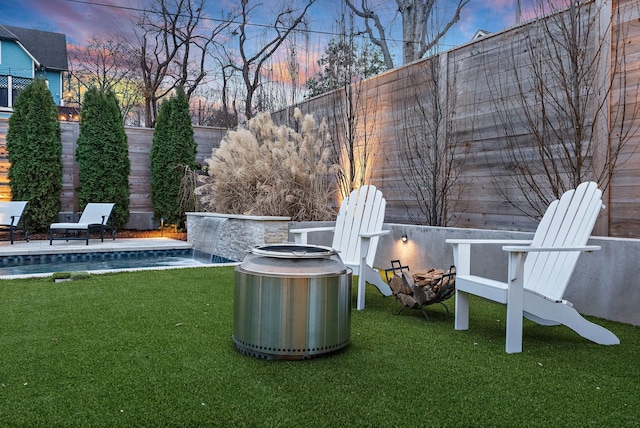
<point>265,169</point>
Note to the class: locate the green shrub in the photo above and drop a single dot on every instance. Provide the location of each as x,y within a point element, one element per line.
<point>173,152</point>
<point>103,154</point>
<point>35,155</point>
<point>272,170</point>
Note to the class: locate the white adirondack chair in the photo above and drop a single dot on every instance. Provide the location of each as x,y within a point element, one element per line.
<point>355,235</point>
<point>538,272</point>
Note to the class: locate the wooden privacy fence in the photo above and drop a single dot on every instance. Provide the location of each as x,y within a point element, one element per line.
<point>139,139</point>
<point>477,81</point>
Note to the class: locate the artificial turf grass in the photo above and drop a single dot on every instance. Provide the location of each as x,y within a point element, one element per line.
<point>154,348</point>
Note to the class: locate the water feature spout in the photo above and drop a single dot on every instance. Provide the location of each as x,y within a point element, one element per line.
<point>206,238</point>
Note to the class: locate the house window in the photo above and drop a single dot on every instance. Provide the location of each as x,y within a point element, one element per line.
<point>10,87</point>
<point>19,83</point>
<point>4,91</point>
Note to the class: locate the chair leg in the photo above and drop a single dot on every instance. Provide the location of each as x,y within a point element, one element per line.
<point>462,311</point>
<point>361,291</point>
<point>514,327</point>
<point>368,274</point>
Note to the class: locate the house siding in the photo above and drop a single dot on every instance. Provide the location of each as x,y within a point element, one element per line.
<point>55,86</point>
<point>15,61</point>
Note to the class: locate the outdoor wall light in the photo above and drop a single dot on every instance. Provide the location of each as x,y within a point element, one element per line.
<point>404,237</point>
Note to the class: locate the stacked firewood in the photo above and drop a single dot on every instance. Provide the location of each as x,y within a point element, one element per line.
<point>423,288</point>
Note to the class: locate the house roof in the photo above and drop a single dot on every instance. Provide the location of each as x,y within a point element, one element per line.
<point>48,49</point>
<point>480,34</point>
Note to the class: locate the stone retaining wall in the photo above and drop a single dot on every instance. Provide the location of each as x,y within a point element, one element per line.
<point>236,234</point>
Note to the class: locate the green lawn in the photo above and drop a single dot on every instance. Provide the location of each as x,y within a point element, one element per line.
<point>154,349</point>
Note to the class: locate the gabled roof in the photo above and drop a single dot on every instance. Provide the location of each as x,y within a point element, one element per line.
<point>480,34</point>
<point>48,49</point>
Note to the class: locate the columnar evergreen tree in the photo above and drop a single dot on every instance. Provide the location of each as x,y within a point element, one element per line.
<point>173,149</point>
<point>35,155</point>
<point>103,154</point>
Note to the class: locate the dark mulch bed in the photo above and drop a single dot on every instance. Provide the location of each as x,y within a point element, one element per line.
<point>182,236</point>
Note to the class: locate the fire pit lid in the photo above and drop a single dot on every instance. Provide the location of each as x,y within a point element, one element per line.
<point>297,251</point>
<point>293,260</point>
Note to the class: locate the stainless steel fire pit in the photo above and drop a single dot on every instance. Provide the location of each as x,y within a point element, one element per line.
<point>292,302</point>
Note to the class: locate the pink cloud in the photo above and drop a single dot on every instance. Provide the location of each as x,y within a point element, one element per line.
<point>80,22</point>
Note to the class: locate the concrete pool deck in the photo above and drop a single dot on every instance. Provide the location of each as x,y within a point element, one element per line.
<point>39,247</point>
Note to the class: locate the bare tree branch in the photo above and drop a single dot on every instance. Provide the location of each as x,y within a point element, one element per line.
<point>108,66</point>
<point>250,65</point>
<point>551,103</point>
<point>172,48</point>
<point>422,27</point>
<point>380,39</point>
<point>431,158</point>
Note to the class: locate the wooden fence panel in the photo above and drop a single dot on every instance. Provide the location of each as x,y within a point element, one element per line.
<point>475,72</point>
<point>139,140</point>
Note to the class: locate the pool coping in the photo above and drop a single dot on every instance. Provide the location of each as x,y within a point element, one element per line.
<point>42,247</point>
<point>105,271</point>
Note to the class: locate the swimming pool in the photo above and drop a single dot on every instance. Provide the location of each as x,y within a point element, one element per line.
<point>92,261</point>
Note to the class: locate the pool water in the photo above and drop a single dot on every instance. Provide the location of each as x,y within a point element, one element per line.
<point>73,262</point>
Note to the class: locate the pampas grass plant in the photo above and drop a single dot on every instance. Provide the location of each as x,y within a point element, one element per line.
<point>266,169</point>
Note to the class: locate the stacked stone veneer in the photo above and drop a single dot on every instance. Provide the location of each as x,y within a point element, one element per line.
<point>237,234</point>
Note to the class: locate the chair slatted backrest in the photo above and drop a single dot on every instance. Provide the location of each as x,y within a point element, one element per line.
<point>94,211</point>
<point>10,209</point>
<point>568,222</point>
<point>361,212</point>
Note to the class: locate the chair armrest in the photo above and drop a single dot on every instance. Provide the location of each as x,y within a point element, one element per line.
<point>374,234</point>
<point>489,241</point>
<point>300,235</point>
<point>518,254</point>
<point>365,241</point>
<point>529,249</point>
<point>313,229</point>
<point>462,250</point>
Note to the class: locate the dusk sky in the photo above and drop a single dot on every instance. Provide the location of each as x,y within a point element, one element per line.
<point>80,20</point>
<point>83,20</point>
